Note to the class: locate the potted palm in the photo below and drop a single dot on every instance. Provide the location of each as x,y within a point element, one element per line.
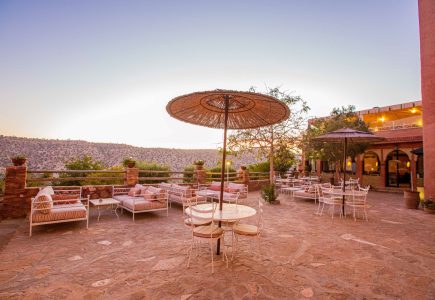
<point>412,197</point>
<point>269,194</point>
<point>429,206</point>
<point>18,160</point>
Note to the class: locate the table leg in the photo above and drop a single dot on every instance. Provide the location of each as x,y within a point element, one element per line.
<point>98,208</point>
<point>116,213</point>
<point>218,244</point>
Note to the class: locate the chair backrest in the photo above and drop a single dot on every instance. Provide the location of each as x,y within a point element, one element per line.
<point>207,215</point>
<point>232,197</point>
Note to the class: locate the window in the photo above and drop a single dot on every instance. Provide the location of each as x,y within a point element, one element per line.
<point>371,164</point>
<point>328,166</point>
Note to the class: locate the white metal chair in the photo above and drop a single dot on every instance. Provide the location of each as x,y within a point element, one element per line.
<point>328,198</point>
<point>241,229</point>
<point>190,221</point>
<point>359,201</point>
<point>209,232</point>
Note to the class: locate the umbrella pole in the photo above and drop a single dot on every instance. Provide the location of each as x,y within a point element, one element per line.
<point>344,173</point>
<point>224,154</point>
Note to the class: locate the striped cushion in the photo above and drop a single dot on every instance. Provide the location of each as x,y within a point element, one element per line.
<point>61,212</point>
<point>43,203</point>
<point>142,204</point>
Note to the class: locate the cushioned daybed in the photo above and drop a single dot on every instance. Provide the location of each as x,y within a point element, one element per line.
<point>58,206</point>
<point>140,199</point>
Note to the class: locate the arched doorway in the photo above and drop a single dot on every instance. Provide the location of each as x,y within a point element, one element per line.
<point>398,169</point>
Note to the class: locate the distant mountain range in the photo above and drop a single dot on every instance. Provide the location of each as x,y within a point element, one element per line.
<point>44,154</point>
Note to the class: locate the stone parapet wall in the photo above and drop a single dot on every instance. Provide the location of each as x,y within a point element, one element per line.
<point>255,185</point>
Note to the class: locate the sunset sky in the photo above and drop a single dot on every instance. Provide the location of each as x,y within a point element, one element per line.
<point>104,71</point>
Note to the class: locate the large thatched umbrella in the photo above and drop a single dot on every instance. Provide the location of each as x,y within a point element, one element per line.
<point>345,136</point>
<point>228,110</point>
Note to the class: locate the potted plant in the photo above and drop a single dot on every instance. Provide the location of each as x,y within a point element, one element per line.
<point>429,206</point>
<point>18,160</point>
<point>412,197</point>
<point>129,162</point>
<point>269,194</point>
<point>199,164</point>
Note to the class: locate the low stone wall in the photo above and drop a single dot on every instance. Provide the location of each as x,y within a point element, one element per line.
<point>256,185</point>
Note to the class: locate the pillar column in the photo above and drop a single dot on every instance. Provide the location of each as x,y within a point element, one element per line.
<point>413,168</point>
<point>359,167</point>
<point>319,168</point>
<point>131,176</point>
<point>15,202</point>
<point>427,54</point>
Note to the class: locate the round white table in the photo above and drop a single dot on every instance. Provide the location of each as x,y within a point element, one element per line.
<point>229,212</point>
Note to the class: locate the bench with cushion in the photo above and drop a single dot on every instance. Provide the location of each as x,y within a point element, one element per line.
<point>178,193</point>
<point>140,199</point>
<point>230,190</point>
<point>307,192</point>
<point>51,206</point>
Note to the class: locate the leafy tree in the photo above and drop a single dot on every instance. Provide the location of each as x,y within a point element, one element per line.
<point>117,177</point>
<point>283,159</point>
<point>344,117</point>
<point>266,139</point>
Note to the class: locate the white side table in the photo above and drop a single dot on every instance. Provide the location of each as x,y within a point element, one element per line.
<point>105,203</point>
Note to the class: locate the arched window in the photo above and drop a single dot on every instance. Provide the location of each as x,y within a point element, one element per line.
<point>371,164</point>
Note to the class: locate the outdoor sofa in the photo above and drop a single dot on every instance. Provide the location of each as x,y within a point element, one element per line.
<point>230,190</point>
<point>178,193</point>
<point>141,199</point>
<point>51,206</point>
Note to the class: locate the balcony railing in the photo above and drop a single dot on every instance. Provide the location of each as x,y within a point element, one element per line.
<point>398,126</point>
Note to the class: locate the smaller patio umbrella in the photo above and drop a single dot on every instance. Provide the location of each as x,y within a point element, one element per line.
<point>345,136</point>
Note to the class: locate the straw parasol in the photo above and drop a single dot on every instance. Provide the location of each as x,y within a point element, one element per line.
<point>345,136</point>
<point>228,110</point>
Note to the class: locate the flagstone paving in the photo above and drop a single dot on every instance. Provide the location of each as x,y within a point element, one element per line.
<point>302,256</point>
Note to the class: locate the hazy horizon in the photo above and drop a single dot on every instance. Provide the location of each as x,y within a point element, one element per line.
<point>103,71</point>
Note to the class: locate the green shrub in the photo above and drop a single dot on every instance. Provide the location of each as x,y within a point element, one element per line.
<point>188,178</point>
<point>152,166</point>
<point>268,193</point>
<point>118,178</point>
<point>218,169</point>
<point>262,167</point>
<point>82,163</point>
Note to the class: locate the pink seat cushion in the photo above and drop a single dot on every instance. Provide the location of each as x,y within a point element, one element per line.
<point>142,204</point>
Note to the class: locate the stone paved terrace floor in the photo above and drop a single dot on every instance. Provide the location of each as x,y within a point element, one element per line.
<point>303,255</point>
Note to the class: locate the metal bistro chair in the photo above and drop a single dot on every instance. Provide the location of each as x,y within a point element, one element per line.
<point>240,229</point>
<point>359,201</point>
<point>190,221</point>
<point>208,233</point>
<point>326,197</point>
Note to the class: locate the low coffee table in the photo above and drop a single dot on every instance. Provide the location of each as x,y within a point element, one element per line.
<point>107,203</point>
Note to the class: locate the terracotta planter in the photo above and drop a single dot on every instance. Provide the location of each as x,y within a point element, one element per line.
<point>199,167</point>
<point>19,161</point>
<point>131,164</point>
<point>412,199</point>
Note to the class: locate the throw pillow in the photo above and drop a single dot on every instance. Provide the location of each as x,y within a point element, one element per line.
<point>43,203</point>
<point>149,196</point>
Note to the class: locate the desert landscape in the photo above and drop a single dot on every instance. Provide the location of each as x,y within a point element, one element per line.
<point>52,154</point>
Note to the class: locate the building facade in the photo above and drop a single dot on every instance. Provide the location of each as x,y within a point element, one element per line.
<point>397,161</point>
